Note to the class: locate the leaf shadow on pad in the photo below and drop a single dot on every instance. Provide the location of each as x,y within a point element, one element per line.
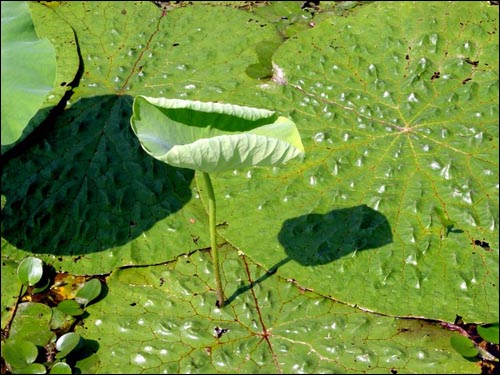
<point>88,186</point>
<point>316,239</point>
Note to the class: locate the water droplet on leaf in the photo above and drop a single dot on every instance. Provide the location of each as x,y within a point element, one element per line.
<point>319,137</point>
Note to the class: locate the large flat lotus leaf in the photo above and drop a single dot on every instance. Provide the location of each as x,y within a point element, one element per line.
<point>28,70</point>
<point>167,322</point>
<point>398,115</point>
<point>213,137</point>
<point>133,48</point>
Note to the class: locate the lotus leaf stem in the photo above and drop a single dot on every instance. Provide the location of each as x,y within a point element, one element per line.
<point>213,239</point>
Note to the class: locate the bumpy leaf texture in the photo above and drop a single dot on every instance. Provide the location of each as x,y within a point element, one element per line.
<point>213,137</point>
<point>394,209</point>
<point>167,322</point>
<point>402,118</point>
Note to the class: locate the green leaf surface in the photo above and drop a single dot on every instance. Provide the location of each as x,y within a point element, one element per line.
<point>33,368</point>
<point>30,271</point>
<point>32,323</point>
<point>66,344</point>
<point>61,320</point>
<point>213,137</point>
<point>464,345</point>
<point>167,322</point>
<point>42,285</point>
<point>19,353</point>
<point>26,81</point>
<point>287,16</point>
<point>423,198</point>
<point>88,292</point>
<point>10,288</point>
<point>380,131</point>
<point>489,332</point>
<point>158,60</point>
<point>60,34</point>
<point>61,368</point>
<point>264,68</point>
<point>70,307</point>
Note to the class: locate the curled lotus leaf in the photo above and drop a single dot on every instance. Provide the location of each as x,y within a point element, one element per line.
<point>213,137</point>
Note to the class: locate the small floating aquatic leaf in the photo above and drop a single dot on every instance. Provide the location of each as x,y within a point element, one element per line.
<point>19,353</point>
<point>464,346</point>
<point>67,343</point>
<point>70,307</point>
<point>489,332</point>
<point>30,271</point>
<point>60,368</point>
<point>88,292</point>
